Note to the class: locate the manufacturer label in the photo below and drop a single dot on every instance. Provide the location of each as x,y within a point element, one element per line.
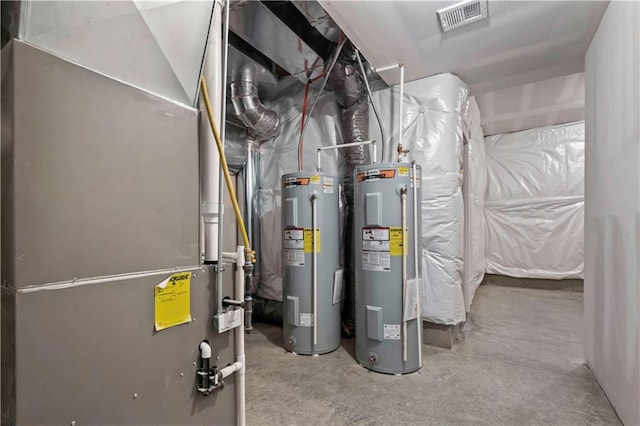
<point>391,332</point>
<point>173,301</point>
<point>369,245</point>
<point>397,240</point>
<point>375,234</point>
<point>306,320</point>
<point>375,239</point>
<point>293,257</point>
<point>376,261</point>
<point>292,182</point>
<point>308,240</point>
<point>327,185</point>
<point>374,175</point>
<point>294,238</point>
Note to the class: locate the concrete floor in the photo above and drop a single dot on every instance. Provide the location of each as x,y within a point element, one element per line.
<point>521,362</point>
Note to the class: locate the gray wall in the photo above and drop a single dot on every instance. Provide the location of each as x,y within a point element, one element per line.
<point>100,202</point>
<point>612,208</point>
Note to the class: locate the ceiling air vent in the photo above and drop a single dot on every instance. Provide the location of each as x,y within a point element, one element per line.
<point>462,13</point>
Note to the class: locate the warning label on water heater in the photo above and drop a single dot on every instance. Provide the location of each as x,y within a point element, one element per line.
<point>397,241</point>
<point>379,261</point>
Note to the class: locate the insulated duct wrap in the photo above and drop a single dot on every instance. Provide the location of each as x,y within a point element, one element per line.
<point>348,84</point>
<point>535,202</point>
<point>434,122</point>
<point>477,181</point>
<point>262,124</point>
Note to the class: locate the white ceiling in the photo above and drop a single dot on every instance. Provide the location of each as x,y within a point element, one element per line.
<point>519,43</point>
<point>522,42</point>
<point>543,103</point>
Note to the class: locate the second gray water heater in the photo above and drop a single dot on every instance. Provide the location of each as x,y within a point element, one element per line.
<point>387,226</point>
<point>311,274</point>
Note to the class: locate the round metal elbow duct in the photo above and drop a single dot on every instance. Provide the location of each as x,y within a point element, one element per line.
<point>262,122</point>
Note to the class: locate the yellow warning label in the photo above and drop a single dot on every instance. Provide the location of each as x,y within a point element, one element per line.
<point>172,301</point>
<point>397,241</point>
<point>403,171</point>
<point>308,240</point>
<point>315,179</point>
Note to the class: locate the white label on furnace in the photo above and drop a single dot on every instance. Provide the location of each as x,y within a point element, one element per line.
<point>327,185</point>
<point>306,320</point>
<point>293,257</point>
<point>375,234</point>
<point>391,332</point>
<point>369,245</point>
<point>376,261</point>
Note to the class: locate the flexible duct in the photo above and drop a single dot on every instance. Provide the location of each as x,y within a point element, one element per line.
<point>350,91</point>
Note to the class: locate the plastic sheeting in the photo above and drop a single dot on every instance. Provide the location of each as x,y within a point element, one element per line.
<point>435,118</point>
<point>280,156</point>
<point>476,193</point>
<point>535,202</point>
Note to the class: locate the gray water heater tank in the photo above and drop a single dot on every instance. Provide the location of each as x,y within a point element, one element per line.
<point>388,317</point>
<point>311,276</point>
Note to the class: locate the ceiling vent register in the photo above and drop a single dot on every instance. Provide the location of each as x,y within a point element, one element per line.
<point>462,13</point>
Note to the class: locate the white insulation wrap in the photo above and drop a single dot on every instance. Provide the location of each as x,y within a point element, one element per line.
<point>280,156</point>
<point>535,202</point>
<point>477,181</point>
<point>434,121</point>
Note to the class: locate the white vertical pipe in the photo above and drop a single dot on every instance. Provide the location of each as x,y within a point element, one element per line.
<point>210,179</point>
<point>416,204</point>
<point>375,152</point>
<point>239,340</point>
<point>223,131</point>
<point>400,127</point>
<point>403,197</point>
<point>314,248</point>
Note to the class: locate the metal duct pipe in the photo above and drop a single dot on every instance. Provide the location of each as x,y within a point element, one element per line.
<point>350,91</point>
<point>262,124</point>
<point>251,183</point>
